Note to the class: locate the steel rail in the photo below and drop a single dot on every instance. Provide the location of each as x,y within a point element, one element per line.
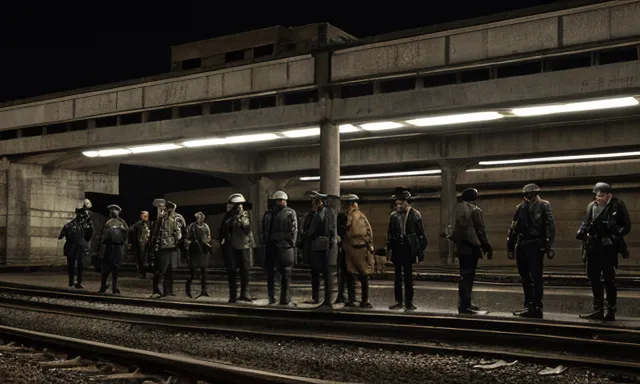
<point>184,366</point>
<point>611,356</point>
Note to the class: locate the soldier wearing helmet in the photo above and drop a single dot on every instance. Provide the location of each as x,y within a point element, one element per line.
<point>530,238</point>
<point>166,236</point>
<point>602,233</point>
<point>279,234</point>
<point>77,233</point>
<point>236,238</point>
<point>114,241</point>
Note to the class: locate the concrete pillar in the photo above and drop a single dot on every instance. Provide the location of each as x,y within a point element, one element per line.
<point>175,113</point>
<point>259,192</point>
<point>91,124</point>
<point>330,167</point>
<point>450,172</point>
<point>145,117</point>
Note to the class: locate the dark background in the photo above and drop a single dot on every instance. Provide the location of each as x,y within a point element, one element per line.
<point>53,46</point>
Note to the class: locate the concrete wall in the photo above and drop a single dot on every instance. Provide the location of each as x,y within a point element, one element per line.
<point>36,204</point>
<point>276,74</point>
<point>530,34</point>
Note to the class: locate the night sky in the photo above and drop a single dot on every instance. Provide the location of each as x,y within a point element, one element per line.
<point>52,46</point>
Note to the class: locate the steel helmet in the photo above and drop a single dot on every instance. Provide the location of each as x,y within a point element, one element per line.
<point>529,188</point>
<point>237,198</point>
<point>280,195</point>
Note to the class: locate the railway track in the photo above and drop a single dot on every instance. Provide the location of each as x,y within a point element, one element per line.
<point>185,368</point>
<point>534,340</point>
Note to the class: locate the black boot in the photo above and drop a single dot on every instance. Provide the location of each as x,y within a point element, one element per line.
<point>610,313</point>
<point>534,312</point>
<point>70,281</point>
<point>187,287</point>
<point>596,314</point>
<point>397,305</point>
<point>523,310</point>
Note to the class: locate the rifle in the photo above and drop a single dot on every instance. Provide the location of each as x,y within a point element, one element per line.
<point>512,239</point>
<point>587,234</point>
<point>155,241</point>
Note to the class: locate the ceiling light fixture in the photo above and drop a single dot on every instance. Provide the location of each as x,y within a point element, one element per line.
<point>455,119</point>
<point>381,126</point>
<point>348,128</point>
<point>378,175</point>
<point>576,107</point>
<point>561,158</point>
<point>154,148</point>
<point>306,132</point>
<point>204,142</point>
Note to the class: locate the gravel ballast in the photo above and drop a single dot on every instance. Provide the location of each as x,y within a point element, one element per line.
<point>323,361</point>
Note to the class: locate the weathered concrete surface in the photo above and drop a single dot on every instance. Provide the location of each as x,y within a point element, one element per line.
<point>255,78</point>
<point>36,204</point>
<point>539,33</point>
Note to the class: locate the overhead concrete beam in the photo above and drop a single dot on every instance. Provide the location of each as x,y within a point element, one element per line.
<point>224,124</point>
<point>428,150</point>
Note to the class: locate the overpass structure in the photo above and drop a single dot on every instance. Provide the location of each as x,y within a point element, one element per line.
<point>546,95</point>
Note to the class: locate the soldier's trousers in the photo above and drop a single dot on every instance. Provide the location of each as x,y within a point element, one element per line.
<point>163,273</point>
<point>75,263</point>
<point>320,266</point>
<point>110,267</point>
<point>601,263</point>
<point>364,284</point>
<point>140,261</point>
<point>530,262</point>
<point>403,263</point>
<point>195,272</point>
<point>345,279</point>
<point>279,260</point>
<point>234,260</point>
<point>468,255</point>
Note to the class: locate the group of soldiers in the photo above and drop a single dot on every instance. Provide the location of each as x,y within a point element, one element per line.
<point>349,237</point>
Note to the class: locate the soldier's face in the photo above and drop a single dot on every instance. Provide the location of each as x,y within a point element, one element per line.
<point>114,213</point>
<point>162,212</point>
<point>602,198</point>
<point>397,205</point>
<point>281,203</point>
<point>315,204</point>
<point>199,219</point>
<point>144,216</point>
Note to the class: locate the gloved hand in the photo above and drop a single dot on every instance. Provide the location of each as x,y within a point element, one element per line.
<point>550,253</point>
<point>490,255</point>
<point>511,255</point>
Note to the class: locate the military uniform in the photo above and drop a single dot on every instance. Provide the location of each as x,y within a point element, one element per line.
<point>469,234</point>
<point>237,241</point>
<point>198,242</point>
<point>279,237</point>
<point>345,279</point>
<point>407,240</point>
<point>358,247</point>
<point>140,235</point>
<point>78,233</point>
<point>165,238</point>
<point>114,241</point>
<point>321,236</point>
<point>530,237</point>
<point>603,232</point>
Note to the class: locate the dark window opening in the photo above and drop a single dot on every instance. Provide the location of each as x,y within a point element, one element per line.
<point>291,47</point>
<point>234,56</point>
<point>618,55</point>
<point>160,114</point>
<point>356,90</point>
<point>190,110</point>
<point>224,106</point>
<point>262,102</point>
<point>79,125</point>
<point>109,121</point>
<point>131,118</point>
<point>303,97</point>
<point>57,128</point>
<point>439,80</point>
<point>397,85</point>
<point>563,63</point>
<point>519,69</point>
<point>31,131</point>
<point>263,50</point>
<point>192,63</point>
<point>8,135</point>
<point>474,75</point>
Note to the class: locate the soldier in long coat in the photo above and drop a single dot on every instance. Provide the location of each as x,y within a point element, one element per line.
<point>164,242</point>
<point>198,243</point>
<point>358,246</point>
<point>114,241</point>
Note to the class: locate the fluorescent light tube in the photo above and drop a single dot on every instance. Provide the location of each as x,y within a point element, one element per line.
<point>302,132</point>
<point>381,126</point>
<point>204,142</point>
<point>251,138</point>
<point>576,107</point>
<point>154,148</point>
<point>348,128</point>
<point>455,119</point>
<point>90,153</point>
<point>113,152</point>
<point>378,175</point>
<point>561,158</point>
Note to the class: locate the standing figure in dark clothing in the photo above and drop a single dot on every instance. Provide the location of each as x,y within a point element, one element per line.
<point>407,240</point>
<point>236,238</point>
<point>198,242</point>
<point>279,234</point>
<point>140,234</point>
<point>164,243</point>
<point>78,234</point>
<point>321,236</point>
<point>602,232</point>
<point>345,279</point>
<point>530,238</point>
<point>114,241</point>
<point>470,235</point>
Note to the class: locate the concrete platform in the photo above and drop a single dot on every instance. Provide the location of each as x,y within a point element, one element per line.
<point>561,303</point>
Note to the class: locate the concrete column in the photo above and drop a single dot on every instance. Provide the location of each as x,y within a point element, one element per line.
<point>175,113</point>
<point>91,124</point>
<point>145,117</point>
<point>259,192</point>
<point>450,172</point>
<point>330,167</point>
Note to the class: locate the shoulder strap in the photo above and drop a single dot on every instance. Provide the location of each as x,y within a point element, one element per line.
<point>406,217</point>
